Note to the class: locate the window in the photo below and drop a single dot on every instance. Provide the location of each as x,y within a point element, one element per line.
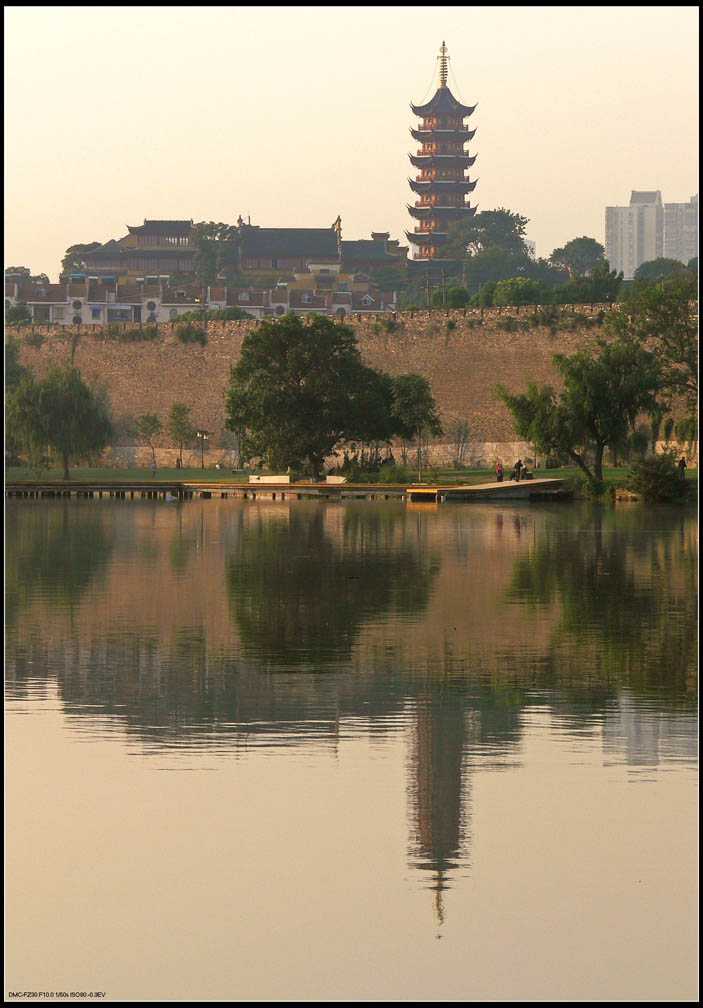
<point>243,296</point>
<point>173,314</point>
<point>94,313</point>
<point>306,299</point>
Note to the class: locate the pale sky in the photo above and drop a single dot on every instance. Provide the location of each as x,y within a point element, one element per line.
<point>296,114</point>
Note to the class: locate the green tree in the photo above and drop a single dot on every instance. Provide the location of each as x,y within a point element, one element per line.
<point>13,369</point>
<point>22,431</point>
<point>179,426</point>
<point>499,228</point>
<point>659,269</point>
<point>217,250</point>
<point>61,411</point>
<point>299,389</point>
<point>520,291</point>
<point>415,411</point>
<point>148,426</point>
<point>579,256</point>
<point>665,318</point>
<point>604,391</point>
<point>454,297</point>
<point>393,276</point>
<point>72,261</point>
<point>26,274</point>
<point>493,264</point>
<point>18,314</point>
<point>601,285</point>
<point>686,430</point>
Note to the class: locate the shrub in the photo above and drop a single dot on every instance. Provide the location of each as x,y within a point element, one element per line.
<point>230,314</point>
<point>18,314</point>
<point>189,333</point>
<point>34,339</point>
<point>545,315</point>
<point>657,479</point>
<point>148,332</point>
<point>393,474</point>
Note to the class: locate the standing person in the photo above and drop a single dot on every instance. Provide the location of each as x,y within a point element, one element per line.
<point>517,467</point>
<point>153,468</point>
<point>499,472</point>
<point>682,467</point>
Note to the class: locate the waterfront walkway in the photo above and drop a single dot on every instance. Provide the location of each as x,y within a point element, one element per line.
<point>178,490</point>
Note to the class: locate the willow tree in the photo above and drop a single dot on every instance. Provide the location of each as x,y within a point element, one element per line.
<point>60,411</point>
<point>605,389</point>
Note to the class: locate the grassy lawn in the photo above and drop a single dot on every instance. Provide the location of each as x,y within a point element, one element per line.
<point>211,475</point>
<point>84,474</point>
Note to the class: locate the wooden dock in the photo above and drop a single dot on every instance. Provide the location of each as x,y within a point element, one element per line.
<point>172,491</point>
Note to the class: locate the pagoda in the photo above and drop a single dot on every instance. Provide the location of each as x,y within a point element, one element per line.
<point>441,184</point>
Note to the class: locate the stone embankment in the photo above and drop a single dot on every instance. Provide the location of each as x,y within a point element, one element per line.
<point>463,353</point>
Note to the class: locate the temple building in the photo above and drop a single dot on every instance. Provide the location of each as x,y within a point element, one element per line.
<point>156,248</point>
<point>441,184</point>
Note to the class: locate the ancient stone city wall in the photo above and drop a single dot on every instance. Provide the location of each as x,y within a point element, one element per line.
<point>463,361</point>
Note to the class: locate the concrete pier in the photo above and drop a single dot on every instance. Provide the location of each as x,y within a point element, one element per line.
<point>166,491</point>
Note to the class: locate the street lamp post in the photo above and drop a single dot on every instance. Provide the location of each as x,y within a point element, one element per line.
<point>203,435</point>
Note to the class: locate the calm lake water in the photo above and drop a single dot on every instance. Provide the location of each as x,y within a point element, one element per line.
<point>351,751</point>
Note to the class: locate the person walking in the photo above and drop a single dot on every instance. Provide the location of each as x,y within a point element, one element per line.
<point>499,472</point>
<point>682,467</point>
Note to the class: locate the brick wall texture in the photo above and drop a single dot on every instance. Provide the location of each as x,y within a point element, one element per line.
<point>463,362</point>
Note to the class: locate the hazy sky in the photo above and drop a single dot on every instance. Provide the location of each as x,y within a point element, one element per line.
<point>296,114</point>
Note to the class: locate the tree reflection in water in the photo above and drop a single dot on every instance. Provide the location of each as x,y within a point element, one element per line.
<point>625,598</point>
<point>45,555</point>
<point>302,585</point>
<point>299,596</point>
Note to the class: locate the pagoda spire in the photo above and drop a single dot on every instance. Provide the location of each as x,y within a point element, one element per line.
<point>443,68</point>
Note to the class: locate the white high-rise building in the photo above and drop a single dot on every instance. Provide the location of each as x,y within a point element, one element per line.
<point>635,234</point>
<point>681,230</point>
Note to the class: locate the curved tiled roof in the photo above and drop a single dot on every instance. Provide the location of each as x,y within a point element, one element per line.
<point>443,103</point>
<point>311,242</point>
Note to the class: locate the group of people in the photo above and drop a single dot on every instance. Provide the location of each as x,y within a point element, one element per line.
<point>518,469</point>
